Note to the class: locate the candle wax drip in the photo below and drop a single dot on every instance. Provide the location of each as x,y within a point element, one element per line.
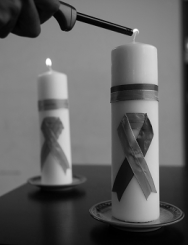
<point>135,32</point>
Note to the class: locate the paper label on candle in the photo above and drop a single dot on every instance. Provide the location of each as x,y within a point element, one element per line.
<point>52,104</point>
<point>134,92</point>
<point>135,134</point>
<point>51,128</point>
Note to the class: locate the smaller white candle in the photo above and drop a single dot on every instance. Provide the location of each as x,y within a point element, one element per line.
<point>56,160</point>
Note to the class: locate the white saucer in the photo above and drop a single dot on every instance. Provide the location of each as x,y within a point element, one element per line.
<point>77,180</point>
<point>169,214</point>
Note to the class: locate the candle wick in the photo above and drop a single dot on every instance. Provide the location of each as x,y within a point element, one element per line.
<point>49,64</point>
<point>135,32</point>
<point>49,68</point>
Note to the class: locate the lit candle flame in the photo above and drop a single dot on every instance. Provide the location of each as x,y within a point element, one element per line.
<point>135,32</point>
<point>49,63</point>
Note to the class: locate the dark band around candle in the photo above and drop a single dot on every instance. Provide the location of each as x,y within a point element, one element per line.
<point>52,104</point>
<point>134,92</point>
<point>135,86</point>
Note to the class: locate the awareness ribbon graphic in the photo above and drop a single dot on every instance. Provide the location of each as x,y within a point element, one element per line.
<point>135,134</point>
<point>51,128</point>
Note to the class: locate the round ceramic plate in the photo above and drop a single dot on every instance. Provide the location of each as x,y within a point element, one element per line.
<point>77,180</point>
<point>169,214</point>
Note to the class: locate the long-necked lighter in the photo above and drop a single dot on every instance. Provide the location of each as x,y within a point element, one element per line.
<point>67,17</point>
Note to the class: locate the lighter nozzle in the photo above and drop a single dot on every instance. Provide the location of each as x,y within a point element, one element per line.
<point>66,16</point>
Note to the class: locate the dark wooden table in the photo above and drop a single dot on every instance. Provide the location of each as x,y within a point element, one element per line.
<point>31,217</point>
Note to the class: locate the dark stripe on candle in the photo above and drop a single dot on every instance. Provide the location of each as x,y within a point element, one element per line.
<point>134,95</point>
<point>52,104</point>
<point>136,86</point>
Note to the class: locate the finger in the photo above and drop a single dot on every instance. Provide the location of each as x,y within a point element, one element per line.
<point>28,23</point>
<point>9,12</point>
<point>46,8</point>
<point>6,29</point>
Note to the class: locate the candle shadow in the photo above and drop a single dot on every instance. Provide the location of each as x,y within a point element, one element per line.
<point>106,234</point>
<point>56,213</point>
<point>49,196</point>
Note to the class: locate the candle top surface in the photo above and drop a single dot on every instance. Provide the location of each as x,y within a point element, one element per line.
<point>134,63</point>
<point>135,45</point>
<point>52,73</point>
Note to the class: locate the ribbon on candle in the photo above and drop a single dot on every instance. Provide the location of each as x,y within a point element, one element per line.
<point>135,91</point>
<point>135,134</point>
<point>51,128</point>
<point>52,104</point>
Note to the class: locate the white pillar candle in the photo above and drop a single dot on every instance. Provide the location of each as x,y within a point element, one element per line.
<point>56,162</point>
<point>135,63</point>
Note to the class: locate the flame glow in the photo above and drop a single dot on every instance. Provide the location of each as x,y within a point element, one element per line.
<point>48,63</point>
<point>135,32</point>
